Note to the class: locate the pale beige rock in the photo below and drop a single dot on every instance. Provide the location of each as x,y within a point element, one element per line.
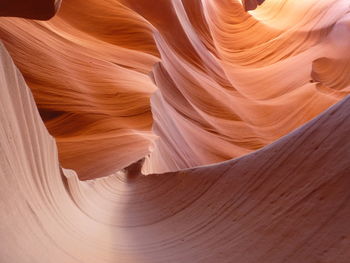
<point>221,83</point>
<point>288,202</point>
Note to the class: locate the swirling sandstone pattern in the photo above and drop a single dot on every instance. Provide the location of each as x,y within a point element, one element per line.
<point>221,82</point>
<point>274,205</point>
<point>172,87</point>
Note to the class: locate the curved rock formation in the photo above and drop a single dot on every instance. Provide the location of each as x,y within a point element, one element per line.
<point>250,84</point>
<point>87,84</point>
<point>221,82</point>
<point>288,202</point>
<point>193,131</point>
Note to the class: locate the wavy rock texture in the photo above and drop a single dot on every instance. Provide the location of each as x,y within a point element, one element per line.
<point>92,96</point>
<point>221,82</point>
<point>288,202</point>
<point>171,87</point>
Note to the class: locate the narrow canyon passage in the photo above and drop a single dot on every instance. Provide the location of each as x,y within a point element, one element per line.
<point>185,84</point>
<point>174,131</point>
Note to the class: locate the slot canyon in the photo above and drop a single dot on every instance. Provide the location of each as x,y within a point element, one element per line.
<point>175,131</point>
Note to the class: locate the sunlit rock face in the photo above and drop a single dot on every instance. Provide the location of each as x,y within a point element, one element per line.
<point>237,111</point>
<point>184,83</point>
<point>288,202</point>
